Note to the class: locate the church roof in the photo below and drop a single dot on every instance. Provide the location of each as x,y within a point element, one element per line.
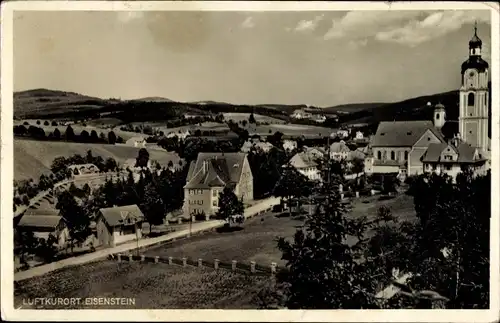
<point>475,62</point>
<point>402,133</point>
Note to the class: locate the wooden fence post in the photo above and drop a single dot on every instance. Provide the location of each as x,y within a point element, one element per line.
<point>200,262</point>
<point>170,260</point>
<point>143,258</point>
<point>273,268</point>
<point>216,264</point>
<point>252,266</point>
<point>157,259</point>
<point>184,262</point>
<point>357,194</point>
<point>119,256</point>
<point>130,258</point>
<point>233,265</point>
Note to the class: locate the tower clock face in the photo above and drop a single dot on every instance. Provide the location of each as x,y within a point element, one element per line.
<point>470,78</point>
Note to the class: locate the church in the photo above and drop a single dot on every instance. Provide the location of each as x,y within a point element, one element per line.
<point>409,148</point>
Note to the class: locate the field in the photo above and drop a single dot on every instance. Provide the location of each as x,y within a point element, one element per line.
<point>153,286</point>
<point>33,158</point>
<point>104,126</point>
<point>257,241</point>
<point>237,117</point>
<point>293,130</point>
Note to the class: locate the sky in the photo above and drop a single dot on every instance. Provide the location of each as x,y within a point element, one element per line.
<point>315,58</point>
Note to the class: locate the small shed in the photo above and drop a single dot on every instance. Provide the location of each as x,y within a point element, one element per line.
<point>119,224</point>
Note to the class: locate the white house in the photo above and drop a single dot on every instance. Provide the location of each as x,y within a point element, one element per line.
<point>181,134</point>
<point>301,114</point>
<point>339,150</point>
<point>289,145</point>
<point>307,165</point>
<point>136,142</point>
<point>359,135</point>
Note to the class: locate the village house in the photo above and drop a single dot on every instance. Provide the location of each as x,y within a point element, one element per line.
<point>289,145</point>
<point>306,162</point>
<point>83,169</point>
<point>319,118</point>
<point>452,157</point>
<point>339,150</point>
<point>359,135</point>
<point>301,114</point>
<point>119,224</point>
<point>210,174</point>
<point>181,134</point>
<point>256,144</point>
<point>42,226</point>
<point>136,142</point>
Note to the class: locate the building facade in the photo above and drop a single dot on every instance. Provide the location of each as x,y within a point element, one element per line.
<point>209,175</point>
<point>119,224</point>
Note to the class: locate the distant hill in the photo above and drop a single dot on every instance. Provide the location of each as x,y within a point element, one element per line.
<point>33,158</point>
<point>349,108</point>
<point>153,99</point>
<point>40,102</point>
<point>43,103</point>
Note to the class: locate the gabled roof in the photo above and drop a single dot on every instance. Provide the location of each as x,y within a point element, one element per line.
<point>119,214</point>
<point>402,133</point>
<point>466,153</point>
<point>79,166</point>
<point>40,222</point>
<point>302,160</point>
<point>355,154</point>
<point>339,147</point>
<point>215,169</point>
<point>42,211</point>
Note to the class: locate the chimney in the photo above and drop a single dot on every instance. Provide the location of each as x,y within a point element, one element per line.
<point>205,166</point>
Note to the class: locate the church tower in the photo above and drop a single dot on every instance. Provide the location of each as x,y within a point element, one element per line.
<point>439,116</point>
<point>474,101</point>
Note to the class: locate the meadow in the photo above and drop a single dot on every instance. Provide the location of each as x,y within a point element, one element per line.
<point>152,286</point>
<point>237,117</point>
<point>257,241</point>
<point>33,158</point>
<point>291,130</point>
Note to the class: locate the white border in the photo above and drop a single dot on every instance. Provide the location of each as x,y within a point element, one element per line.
<point>8,312</point>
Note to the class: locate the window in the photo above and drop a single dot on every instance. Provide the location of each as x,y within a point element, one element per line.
<point>406,155</point>
<point>393,155</point>
<point>379,155</point>
<point>437,116</point>
<point>470,99</point>
<point>214,193</point>
<point>214,203</point>
<point>448,167</point>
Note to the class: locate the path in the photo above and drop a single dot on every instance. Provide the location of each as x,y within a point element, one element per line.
<point>21,209</point>
<point>260,207</point>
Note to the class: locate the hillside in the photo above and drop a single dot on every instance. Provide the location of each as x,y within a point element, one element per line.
<point>33,158</point>
<point>40,102</point>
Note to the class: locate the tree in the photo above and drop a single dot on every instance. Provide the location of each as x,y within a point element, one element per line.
<point>102,137</point>
<point>291,184</point>
<point>78,222</point>
<point>244,123</point>
<point>251,119</point>
<point>358,165</point>
<point>58,164</point>
<point>93,136</point>
<point>111,138</point>
<point>46,123</point>
<point>38,122</point>
<point>28,244</point>
<point>323,268</point>
<point>142,158</point>
<point>153,206</point>
<point>229,206</point>
<point>70,133</point>
<point>84,136</point>
<point>389,185</point>
<point>57,134</point>
<point>276,139</point>
<point>54,123</point>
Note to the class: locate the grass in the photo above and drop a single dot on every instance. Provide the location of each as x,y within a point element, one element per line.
<point>295,130</point>
<point>156,286</point>
<point>237,117</point>
<point>33,158</point>
<point>153,286</point>
<point>257,241</point>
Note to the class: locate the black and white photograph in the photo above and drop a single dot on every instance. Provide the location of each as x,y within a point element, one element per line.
<point>246,156</point>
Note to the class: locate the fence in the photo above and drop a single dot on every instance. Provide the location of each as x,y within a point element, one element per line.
<point>235,266</point>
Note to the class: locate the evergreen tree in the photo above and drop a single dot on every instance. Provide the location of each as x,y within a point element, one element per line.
<point>70,133</point>
<point>324,267</point>
<point>78,222</point>
<point>111,138</point>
